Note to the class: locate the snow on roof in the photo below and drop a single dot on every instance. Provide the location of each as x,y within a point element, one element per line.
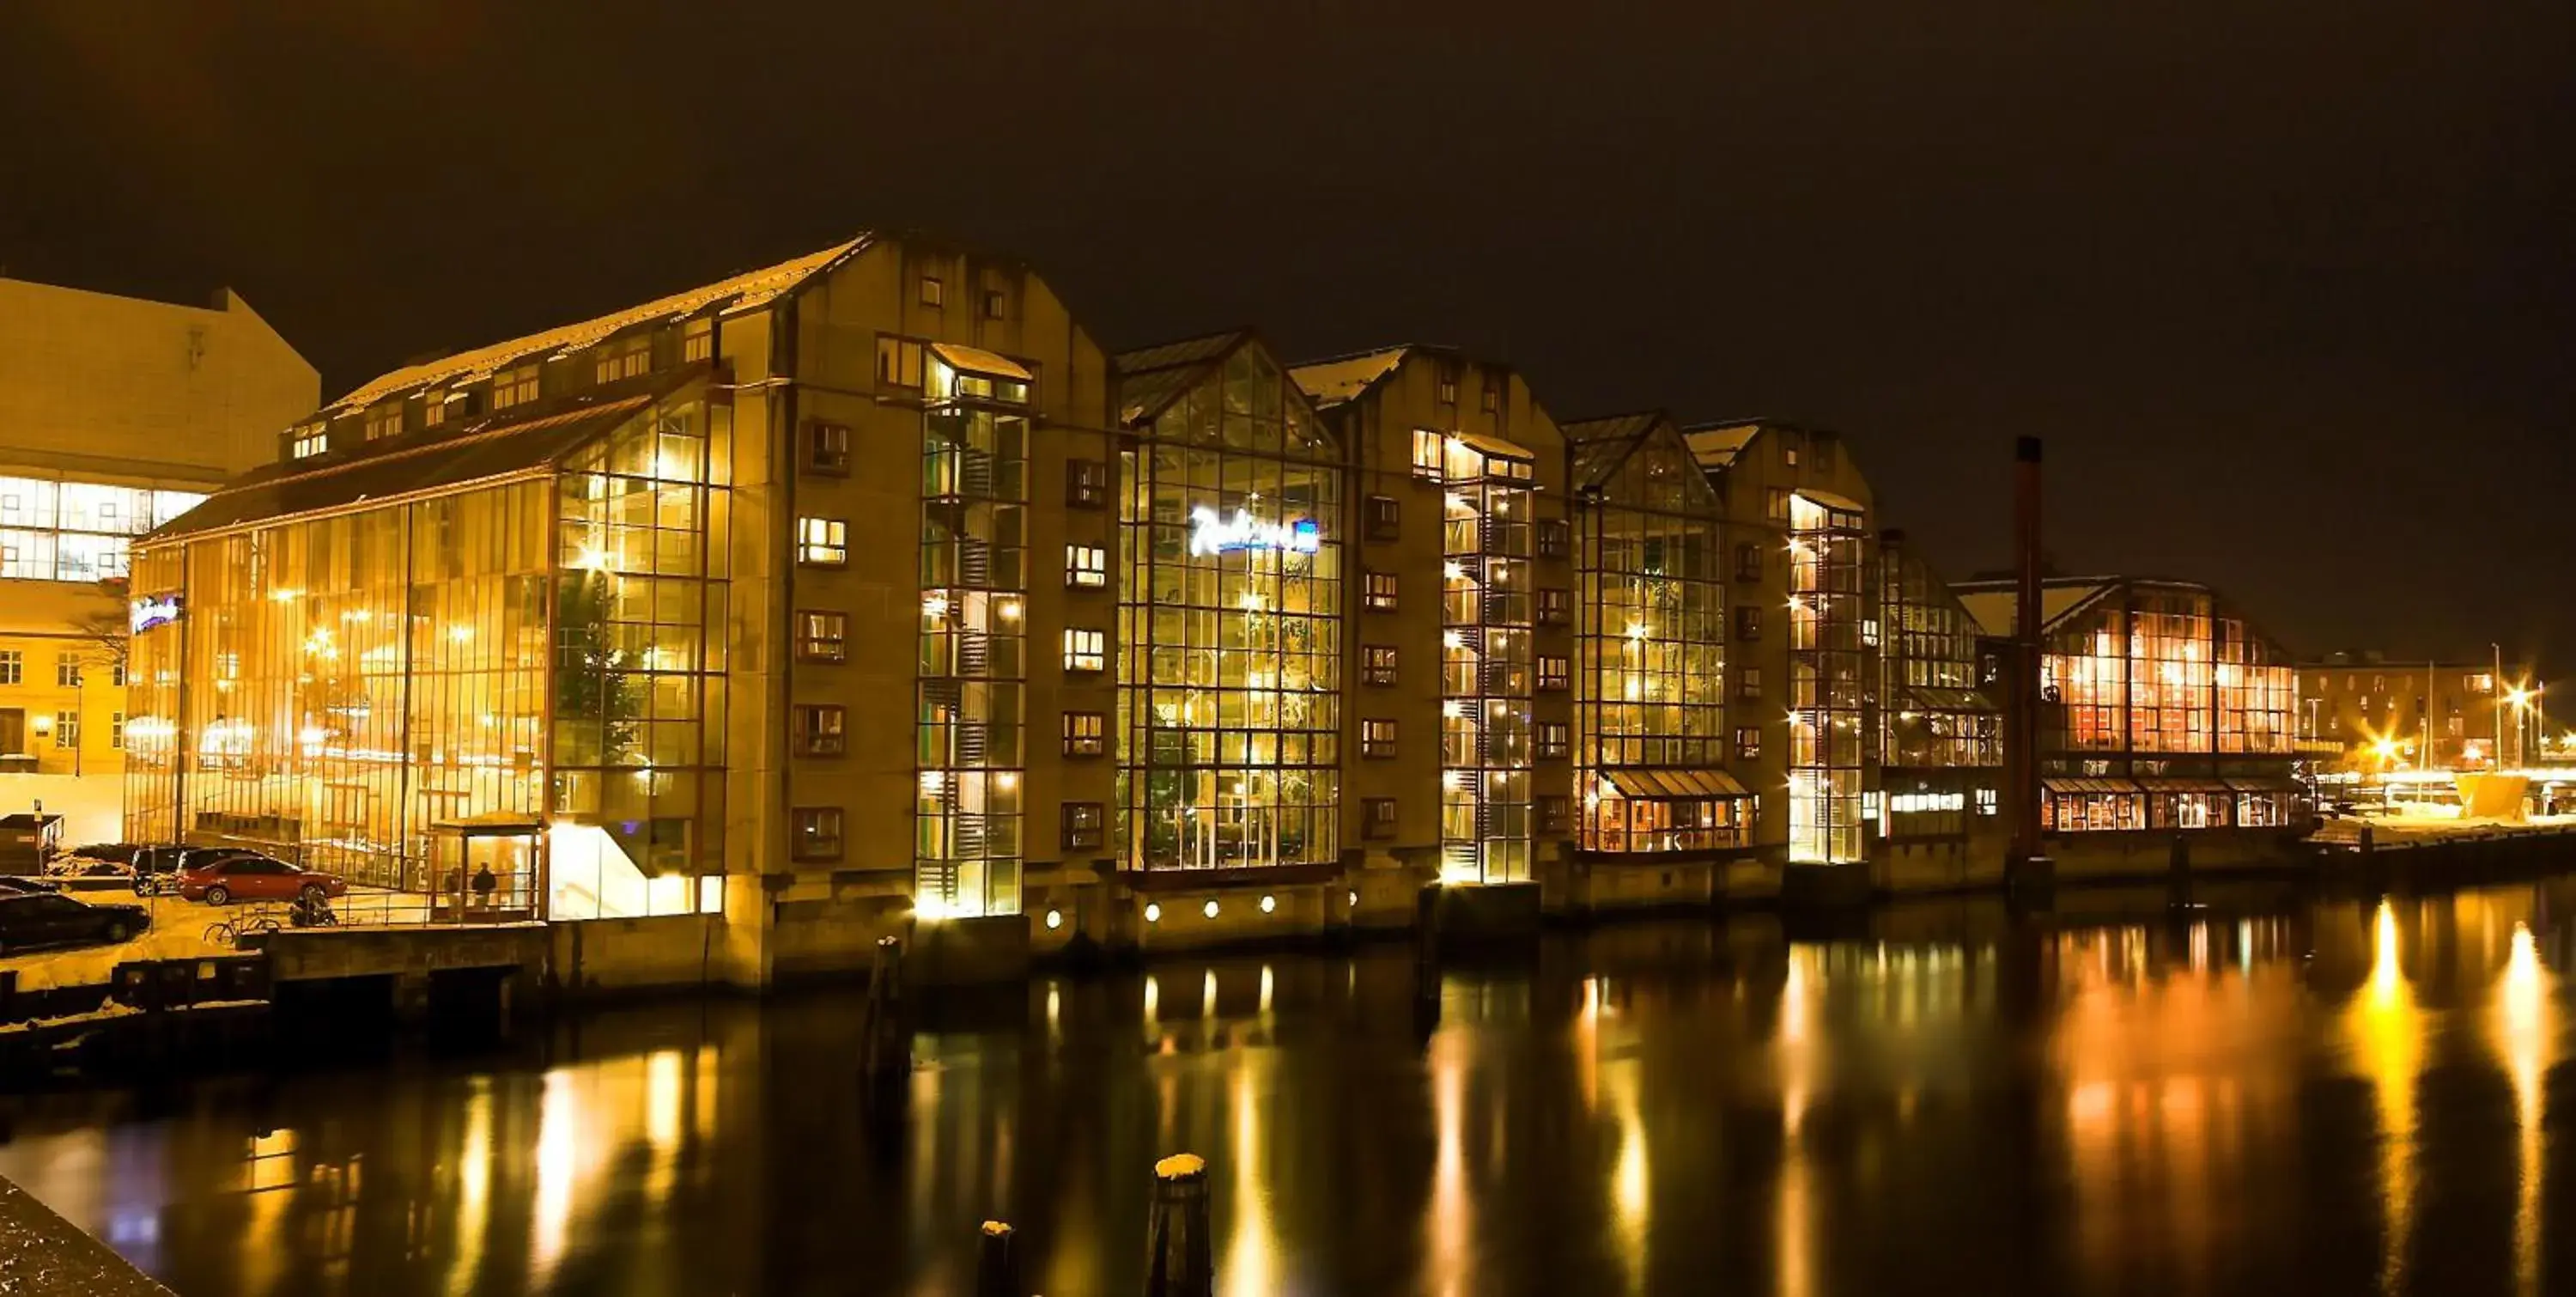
<point>741,293</point>
<point>1718,447</point>
<point>1332,382</point>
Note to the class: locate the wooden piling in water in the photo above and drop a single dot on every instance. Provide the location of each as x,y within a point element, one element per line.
<point>997,1262</point>
<point>1177,1262</point>
<point>885,1049</point>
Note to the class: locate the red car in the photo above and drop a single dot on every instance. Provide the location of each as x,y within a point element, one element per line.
<point>254,878</point>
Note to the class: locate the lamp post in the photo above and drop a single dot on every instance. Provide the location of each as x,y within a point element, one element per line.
<point>2495,691</point>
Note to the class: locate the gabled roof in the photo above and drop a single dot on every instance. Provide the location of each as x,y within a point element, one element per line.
<point>1337,380</point>
<point>1601,445</point>
<point>1150,378</point>
<point>742,292</point>
<point>1717,447</point>
<point>1995,605</point>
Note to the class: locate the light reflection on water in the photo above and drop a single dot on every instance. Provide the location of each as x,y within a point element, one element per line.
<point>2307,1096</point>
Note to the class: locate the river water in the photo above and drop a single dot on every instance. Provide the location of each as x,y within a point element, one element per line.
<point>2266,1093</point>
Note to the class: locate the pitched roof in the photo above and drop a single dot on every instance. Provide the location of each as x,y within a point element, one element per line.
<point>1340,379</point>
<point>1601,445</point>
<point>1995,606</point>
<point>1150,378</point>
<point>742,292</point>
<point>1716,448</point>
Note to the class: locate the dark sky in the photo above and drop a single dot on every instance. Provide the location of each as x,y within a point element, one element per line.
<point>2289,288</point>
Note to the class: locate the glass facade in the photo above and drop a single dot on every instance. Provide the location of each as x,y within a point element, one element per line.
<point>1829,623</point>
<point>974,663</point>
<point>1485,657</point>
<point>1650,623</point>
<point>525,676</point>
<point>55,529</point>
<point>1940,737</point>
<point>1229,627</point>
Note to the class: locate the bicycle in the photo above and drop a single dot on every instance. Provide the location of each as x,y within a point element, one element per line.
<point>230,932</point>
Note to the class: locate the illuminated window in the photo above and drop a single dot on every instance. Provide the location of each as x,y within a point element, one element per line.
<point>1085,650</point>
<point>1555,607</point>
<point>1086,483</point>
<point>1748,684</point>
<point>1086,566</point>
<point>1554,814</point>
<point>1748,742</point>
<point>1448,389</point>
<point>1377,738</point>
<point>1552,672</point>
<point>1377,664</point>
<point>898,362</point>
<point>822,542</point>
<point>67,670</point>
<point>933,292</point>
<point>385,421</point>
<point>1492,399</point>
<point>1378,594</point>
<point>433,409</point>
<point>1789,449</point>
<point>116,730</point>
<point>1377,817</point>
<point>1552,741</point>
<point>12,663</point>
<point>1775,504</point>
<point>66,729</point>
<point>827,449</point>
<point>1385,517</point>
<point>1748,562</point>
<point>624,358</point>
<point>1555,538</point>
<point>514,387</point>
<point>1082,825</point>
<point>698,340</point>
<point>815,729</point>
<point>310,444</point>
<point>822,636</point>
<point>1428,451</point>
<point>816,833</point>
<point>993,304</point>
<point>1085,734</point>
<point>1748,621</point>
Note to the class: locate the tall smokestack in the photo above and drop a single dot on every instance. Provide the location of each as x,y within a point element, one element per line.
<point>2021,734</point>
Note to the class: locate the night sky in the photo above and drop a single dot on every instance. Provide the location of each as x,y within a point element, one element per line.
<point>2288,288</point>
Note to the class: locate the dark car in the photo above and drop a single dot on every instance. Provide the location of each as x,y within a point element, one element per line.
<point>32,919</point>
<point>253,878</point>
<point>12,885</point>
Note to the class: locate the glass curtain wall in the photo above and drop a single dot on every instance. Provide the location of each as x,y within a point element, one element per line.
<point>1485,813</point>
<point>57,530</point>
<point>1650,635</point>
<point>2084,682</point>
<point>1827,681</point>
<point>2172,683</point>
<point>973,667</point>
<point>1229,626</point>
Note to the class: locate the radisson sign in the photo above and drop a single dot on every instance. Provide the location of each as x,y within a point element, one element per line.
<point>1214,533</point>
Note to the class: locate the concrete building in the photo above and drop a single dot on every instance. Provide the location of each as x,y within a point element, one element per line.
<point>2445,715</point>
<point>116,414</point>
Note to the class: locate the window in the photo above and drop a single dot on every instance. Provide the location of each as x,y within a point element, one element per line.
<point>12,664</point>
<point>822,636</point>
<point>1748,562</point>
<point>1555,607</point>
<point>1789,449</point>
<point>827,449</point>
<point>1428,449</point>
<point>385,421</point>
<point>1552,671</point>
<point>1775,504</point>
<point>1086,483</point>
<point>1448,391</point>
<point>1377,817</point>
<point>1748,742</point>
<point>1082,825</point>
<point>1553,816</point>
<point>1379,593</point>
<point>822,542</point>
<point>1748,685</point>
<point>1748,621</point>
<point>1552,744</point>
<point>1086,566</point>
<point>815,729</point>
<point>933,292</point>
<point>1084,650</point>
<point>514,387</point>
<point>116,730</point>
<point>433,409</point>
<point>116,673</point>
<point>993,304</point>
<point>816,833</point>
<point>898,362</point>
<point>1377,664</point>
<point>622,359</point>
<point>1385,518</point>
<point>311,443</point>
<point>1084,734</point>
<point>1989,801</point>
<point>697,340</point>
<point>1491,400</point>
<point>1377,738</point>
<point>67,670</point>
<point>66,729</point>
<point>1555,538</point>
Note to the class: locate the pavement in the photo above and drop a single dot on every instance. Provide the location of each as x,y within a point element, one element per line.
<point>43,1255</point>
<point>178,931</point>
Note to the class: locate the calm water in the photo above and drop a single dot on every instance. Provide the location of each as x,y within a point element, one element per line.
<point>2268,1094</point>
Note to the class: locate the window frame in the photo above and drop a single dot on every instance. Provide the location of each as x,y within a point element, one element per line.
<point>1086,567</point>
<point>1551,741</point>
<point>1086,484</point>
<point>1085,735</point>
<point>808,734</point>
<point>813,646</point>
<point>1086,650</point>
<point>1554,538</point>
<point>1373,598</point>
<point>1383,518</point>
<point>1748,742</point>
<point>1073,834</point>
<point>818,458</point>
<point>1377,673</point>
<point>1377,818</point>
<point>1377,738</point>
<point>805,845</point>
<point>815,552</point>
<point>1552,673</point>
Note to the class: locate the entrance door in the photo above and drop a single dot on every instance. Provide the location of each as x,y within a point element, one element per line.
<point>500,876</point>
<point>13,730</point>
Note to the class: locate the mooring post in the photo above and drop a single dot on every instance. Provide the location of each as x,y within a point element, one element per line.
<point>997,1264</point>
<point>885,1053</point>
<point>1177,1259</point>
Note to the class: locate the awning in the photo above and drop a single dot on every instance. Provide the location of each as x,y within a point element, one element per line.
<point>2177,784</point>
<point>1495,447</point>
<point>1638,785</point>
<point>2089,784</point>
<point>2262,784</point>
<point>975,360</point>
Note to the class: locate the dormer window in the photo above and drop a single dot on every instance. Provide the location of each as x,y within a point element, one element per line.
<point>311,442</point>
<point>433,409</point>
<point>514,387</point>
<point>385,421</point>
<point>625,358</point>
<point>697,340</point>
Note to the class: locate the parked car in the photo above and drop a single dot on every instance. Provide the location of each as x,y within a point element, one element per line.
<point>32,919</point>
<point>13,885</point>
<point>158,869</point>
<point>253,877</point>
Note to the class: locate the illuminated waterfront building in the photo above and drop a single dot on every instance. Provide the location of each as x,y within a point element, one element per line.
<point>2434,715</point>
<point>1940,734</point>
